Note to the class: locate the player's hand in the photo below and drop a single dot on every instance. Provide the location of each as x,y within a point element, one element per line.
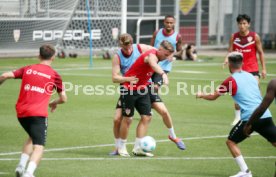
<point>199,95</point>
<point>225,63</point>
<point>247,129</point>
<point>263,73</point>
<point>133,80</point>
<point>53,106</point>
<point>165,79</point>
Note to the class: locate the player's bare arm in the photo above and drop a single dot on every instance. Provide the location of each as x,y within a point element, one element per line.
<point>116,76</point>
<point>261,55</point>
<point>5,76</point>
<point>145,47</point>
<point>210,97</point>
<point>60,100</point>
<point>152,60</point>
<point>152,40</point>
<point>179,43</point>
<point>268,99</point>
<point>230,49</point>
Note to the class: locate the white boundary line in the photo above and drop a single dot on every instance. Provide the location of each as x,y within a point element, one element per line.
<point>110,145</point>
<point>141,158</point>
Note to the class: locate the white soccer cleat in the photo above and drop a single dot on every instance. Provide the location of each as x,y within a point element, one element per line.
<point>140,152</point>
<point>236,120</point>
<point>243,174</point>
<point>28,175</point>
<point>123,152</point>
<point>19,171</point>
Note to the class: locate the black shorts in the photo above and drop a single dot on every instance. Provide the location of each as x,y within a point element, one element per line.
<point>153,93</point>
<point>255,73</point>
<point>157,78</point>
<point>264,127</point>
<point>36,127</point>
<point>131,99</point>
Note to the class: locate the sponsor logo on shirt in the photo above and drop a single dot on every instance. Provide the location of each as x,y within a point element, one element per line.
<point>237,40</point>
<point>34,72</point>
<point>27,87</point>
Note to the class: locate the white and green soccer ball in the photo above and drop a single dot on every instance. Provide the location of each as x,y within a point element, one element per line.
<point>148,144</point>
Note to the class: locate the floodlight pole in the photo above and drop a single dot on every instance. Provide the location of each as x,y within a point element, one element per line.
<point>198,23</point>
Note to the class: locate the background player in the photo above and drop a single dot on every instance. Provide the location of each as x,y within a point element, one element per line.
<point>248,43</point>
<point>245,91</point>
<point>38,82</point>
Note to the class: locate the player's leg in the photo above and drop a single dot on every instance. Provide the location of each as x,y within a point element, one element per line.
<point>267,129</point>
<point>37,132</point>
<point>116,127</point>
<point>162,110</point>
<point>236,136</point>
<point>143,106</point>
<point>128,100</point>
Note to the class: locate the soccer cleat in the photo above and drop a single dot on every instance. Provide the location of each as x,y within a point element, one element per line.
<point>243,174</point>
<point>19,171</point>
<point>123,152</point>
<point>140,152</point>
<point>28,175</point>
<point>179,143</point>
<point>235,121</point>
<point>114,153</point>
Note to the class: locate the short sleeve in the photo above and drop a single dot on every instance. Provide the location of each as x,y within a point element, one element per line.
<point>58,83</point>
<point>229,85</point>
<point>19,73</point>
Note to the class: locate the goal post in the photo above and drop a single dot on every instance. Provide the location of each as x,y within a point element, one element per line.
<point>78,26</point>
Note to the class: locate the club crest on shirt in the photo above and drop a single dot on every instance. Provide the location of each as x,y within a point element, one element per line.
<point>237,40</point>
<point>127,111</point>
<point>249,38</point>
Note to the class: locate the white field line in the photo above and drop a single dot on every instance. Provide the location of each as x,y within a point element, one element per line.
<point>110,145</point>
<point>141,158</point>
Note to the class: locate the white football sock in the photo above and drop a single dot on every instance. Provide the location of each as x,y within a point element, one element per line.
<point>238,114</point>
<point>23,160</point>
<point>137,143</point>
<point>117,142</point>
<point>31,167</point>
<point>123,143</point>
<point>171,132</point>
<point>240,161</point>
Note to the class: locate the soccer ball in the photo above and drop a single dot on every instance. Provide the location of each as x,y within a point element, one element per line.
<point>148,144</point>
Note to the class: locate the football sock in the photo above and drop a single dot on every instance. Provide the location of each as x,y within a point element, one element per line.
<point>237,114</point>
<point>137,143</point>
<point>240,161</point>
<point>23,160</point>
<point>117,143</point>
<point>171,132</point>
<point>31,167</point>
<point>123,143</point>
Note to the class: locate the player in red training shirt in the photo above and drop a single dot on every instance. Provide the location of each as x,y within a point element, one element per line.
<point>38,84</point>
<point>249,44</point>
<point>136,94</point>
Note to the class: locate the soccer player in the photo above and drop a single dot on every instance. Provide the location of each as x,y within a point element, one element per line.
<point>122,61</point>
<point>248,43</point>
<point>38,83</point>
<point>244,89</point>
<point>167,33</point>
<point>135,95</point>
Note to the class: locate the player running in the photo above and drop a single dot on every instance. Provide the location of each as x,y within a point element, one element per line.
<point>38,83</point>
